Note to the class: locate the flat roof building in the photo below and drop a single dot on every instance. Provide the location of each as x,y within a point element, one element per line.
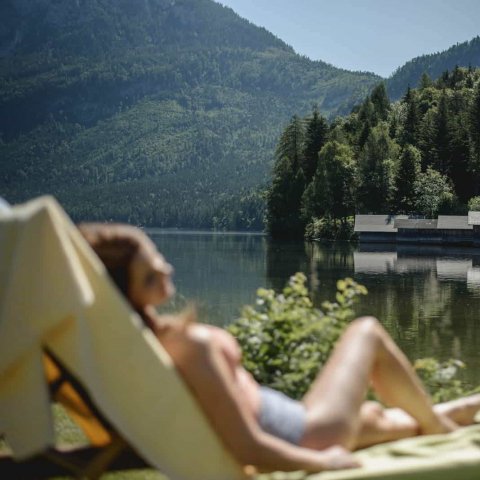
<point>377,228</point>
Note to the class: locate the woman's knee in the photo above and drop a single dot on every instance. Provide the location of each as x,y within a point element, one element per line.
<point>367,324</point>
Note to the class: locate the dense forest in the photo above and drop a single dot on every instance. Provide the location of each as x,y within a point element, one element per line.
<point>461,54</point>
<point>159,113</point>
<point>419,155</point>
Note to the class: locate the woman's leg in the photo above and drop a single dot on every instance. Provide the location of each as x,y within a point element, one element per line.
<point>365,355</point>
<point>380,424</point>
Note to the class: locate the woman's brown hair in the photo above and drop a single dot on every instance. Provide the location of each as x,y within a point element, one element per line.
<point>116,245</point>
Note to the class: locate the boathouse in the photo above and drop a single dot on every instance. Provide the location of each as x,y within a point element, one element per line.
<point>474,222</point>
<point>417,230</point>
<point>455,230</point>
<point>377,228</point>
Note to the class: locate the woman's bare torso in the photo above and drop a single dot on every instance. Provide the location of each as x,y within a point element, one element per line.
<point>173,336</point>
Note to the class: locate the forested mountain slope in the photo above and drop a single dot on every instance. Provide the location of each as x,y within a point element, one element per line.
<point>155,112</point>
<point>462,55</point>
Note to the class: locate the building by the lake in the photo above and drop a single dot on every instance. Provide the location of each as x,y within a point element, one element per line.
<point>446,230</point>
<point>474,222</point>
<point>377,228</point>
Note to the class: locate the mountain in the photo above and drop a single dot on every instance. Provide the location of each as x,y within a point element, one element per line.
<point>461,55</point>
<point>155,112</point>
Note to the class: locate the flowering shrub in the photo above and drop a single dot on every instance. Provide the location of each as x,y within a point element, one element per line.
<point>286,340</point>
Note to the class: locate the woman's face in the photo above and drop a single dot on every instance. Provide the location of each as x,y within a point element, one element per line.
<point>150,276</point>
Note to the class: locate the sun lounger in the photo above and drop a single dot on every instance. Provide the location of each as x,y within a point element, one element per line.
<point>56,297</point>
<point>55,294</point>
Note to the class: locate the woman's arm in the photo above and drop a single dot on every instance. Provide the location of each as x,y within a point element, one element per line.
<point>199,358</point>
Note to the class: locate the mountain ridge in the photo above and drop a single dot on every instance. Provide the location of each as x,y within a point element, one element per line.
<point>159,113</point>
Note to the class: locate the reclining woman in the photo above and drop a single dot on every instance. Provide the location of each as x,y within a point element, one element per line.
<point>262,427</point>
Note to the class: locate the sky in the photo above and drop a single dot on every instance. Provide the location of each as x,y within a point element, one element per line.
<point>366,35</point>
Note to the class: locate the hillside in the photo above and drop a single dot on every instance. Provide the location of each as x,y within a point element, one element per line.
<point>462,55</point>
<point>160,112</point>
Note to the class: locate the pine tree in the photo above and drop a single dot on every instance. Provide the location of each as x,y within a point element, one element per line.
<point>284,196</point>
<point>366,119</point>
<point>408,171</point>
<point>377,166</point>
<point>411,126</point>
<point>381,103</point>
<point>461,167</point>
<point>425,81</point>
<point>474,117</point>
<point>316,131</point>
<point>291,143</point>
<point>442,136</point>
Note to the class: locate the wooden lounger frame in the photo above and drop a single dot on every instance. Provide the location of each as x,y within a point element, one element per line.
<point>108,450</point>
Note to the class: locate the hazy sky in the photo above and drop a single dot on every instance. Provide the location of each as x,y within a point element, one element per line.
<point>373,35</point>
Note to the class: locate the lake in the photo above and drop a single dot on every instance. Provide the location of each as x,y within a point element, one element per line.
<point>427,297</point>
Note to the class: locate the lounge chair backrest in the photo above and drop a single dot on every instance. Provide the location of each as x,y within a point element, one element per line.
<point>55,293</point>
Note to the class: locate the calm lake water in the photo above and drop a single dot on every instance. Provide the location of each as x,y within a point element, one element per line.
<point>428,298</point>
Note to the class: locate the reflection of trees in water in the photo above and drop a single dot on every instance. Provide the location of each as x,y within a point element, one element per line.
<point>220,273</point>
<point>283,259</point>
<point>419,294</point>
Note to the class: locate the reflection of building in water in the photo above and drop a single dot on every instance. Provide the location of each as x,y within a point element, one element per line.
<point>453,269</point>
<point>414,264</point>
<point>473,278</point>
<point>409,260</point>
<point>374,262</point>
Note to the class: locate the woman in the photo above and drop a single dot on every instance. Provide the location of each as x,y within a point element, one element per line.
<point>262,427</point>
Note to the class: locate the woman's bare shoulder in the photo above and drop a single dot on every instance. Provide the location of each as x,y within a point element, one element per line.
<point>186,340</point>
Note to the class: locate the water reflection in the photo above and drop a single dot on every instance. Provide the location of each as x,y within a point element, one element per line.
<point>218,272</point>
<point>428,297</point>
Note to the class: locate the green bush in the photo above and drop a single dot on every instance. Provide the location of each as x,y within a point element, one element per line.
<point>328,229</point>
<point>440,379</point>
<point>474,204</point>
<point>286,340</point>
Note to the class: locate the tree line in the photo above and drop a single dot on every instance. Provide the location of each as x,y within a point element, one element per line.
<point>420,155</point>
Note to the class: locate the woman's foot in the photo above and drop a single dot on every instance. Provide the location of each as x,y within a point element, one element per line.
<point>462,410</point>
<point>379,425</point>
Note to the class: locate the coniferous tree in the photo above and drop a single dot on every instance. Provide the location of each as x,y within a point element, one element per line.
<point>381,103</point>
<point>461,168</point>
<point>412,119</point>
<point>442,136</point>
<point>316,131</point>
<point>377,169</point>
<point>474,115</point>
<point>366,119</point>
<point>291,143</point>
<point>425,81</point>
<point>284,196</point>
<point>408,171</point>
